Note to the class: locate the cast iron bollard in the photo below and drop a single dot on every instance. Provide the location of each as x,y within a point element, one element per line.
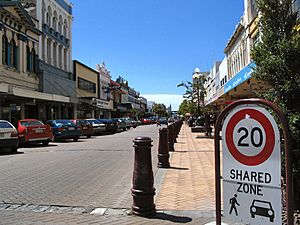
<point>163,151</point>
<point>174,132</point>
<point>171,138</point>
<point>143,191</point>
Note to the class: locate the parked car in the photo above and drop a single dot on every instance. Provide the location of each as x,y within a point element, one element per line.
<point>98,127</point>
<point>85,126</point>
<point>110,125</point>
<point>8,136</point>
<point>130,123</point>
<point>32,130</point>
<point>146,121</point>
<point>121,123</point>
<point>163,120</point>
<point>64,129</point>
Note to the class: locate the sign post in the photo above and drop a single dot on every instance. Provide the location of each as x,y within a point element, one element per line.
<point>251,172</point>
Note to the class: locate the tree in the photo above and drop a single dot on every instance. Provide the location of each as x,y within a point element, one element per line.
<point>187,107</point>
<point>195,91</point>
<point>159,109</point>
<point>277,62</point>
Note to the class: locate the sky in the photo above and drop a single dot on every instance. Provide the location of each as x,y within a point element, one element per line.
<point>154,44</point>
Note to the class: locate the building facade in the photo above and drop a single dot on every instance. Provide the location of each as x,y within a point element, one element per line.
<point>55,68</point>
<point>19,82</point>
<point>87,90</point>
<point>104,101</point>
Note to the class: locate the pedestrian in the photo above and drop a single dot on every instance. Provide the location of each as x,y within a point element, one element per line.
<point>158,123</point>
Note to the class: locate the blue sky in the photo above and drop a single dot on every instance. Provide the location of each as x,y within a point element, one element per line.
<point>154,44</point>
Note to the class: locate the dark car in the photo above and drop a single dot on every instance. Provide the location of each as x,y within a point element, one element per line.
<point>163,120</point>
<point>85,126</point>
<point>121,123</point>
<point>8,136</point>
<point>64,129</point>
<point>110,125</point>
<point>32,130</point>
<point>262,208</point>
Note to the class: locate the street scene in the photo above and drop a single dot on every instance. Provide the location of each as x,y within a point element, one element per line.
<point>150,112</point>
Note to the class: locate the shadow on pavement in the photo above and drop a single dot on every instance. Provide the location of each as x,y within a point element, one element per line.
<point>204,137</point>
<point>36,145</point>
<point>8,152</point>
<point>178,168</point>
<point>172,218</point>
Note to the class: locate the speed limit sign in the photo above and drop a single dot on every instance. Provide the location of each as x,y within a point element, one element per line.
<point>251,166</point>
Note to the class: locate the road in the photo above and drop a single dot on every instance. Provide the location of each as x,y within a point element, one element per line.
<point>90,173</point>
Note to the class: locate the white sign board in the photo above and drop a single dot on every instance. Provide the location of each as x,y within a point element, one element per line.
<point>251,166</point>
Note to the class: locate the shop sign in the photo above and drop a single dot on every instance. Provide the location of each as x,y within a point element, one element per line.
<point>239,78</point>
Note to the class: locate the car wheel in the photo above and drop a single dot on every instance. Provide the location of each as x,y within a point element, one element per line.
<point>252,215</point>
<point>124,128</point>
<point>75,139</point>
<point>46,143</point>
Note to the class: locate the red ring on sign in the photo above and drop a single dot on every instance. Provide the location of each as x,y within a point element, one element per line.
<point>270,137</point>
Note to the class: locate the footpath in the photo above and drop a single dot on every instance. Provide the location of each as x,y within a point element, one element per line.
<point>186,194</point>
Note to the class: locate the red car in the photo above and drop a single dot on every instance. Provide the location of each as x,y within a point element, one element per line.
<point>85,126</point>
<point>32,130</point>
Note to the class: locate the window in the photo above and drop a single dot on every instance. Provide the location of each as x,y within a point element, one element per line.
<point>4,50</point>
<point>31,60</point>
<point>9,53</point>
<point>86,85</point>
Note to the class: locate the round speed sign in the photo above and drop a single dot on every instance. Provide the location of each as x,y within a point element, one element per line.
<point>249,135</point>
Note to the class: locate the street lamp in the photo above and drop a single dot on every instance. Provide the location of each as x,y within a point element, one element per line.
<point>198,82</point>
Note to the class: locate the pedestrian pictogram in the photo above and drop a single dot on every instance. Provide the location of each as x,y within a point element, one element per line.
<point>251,166</point>
<point>233,203</point>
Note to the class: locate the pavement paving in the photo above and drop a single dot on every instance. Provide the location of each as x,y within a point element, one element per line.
<point>184,192</point>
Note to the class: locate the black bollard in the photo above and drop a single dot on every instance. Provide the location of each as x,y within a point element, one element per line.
<point>143,191</point>
<point>171,138</point>
<point>163,150</point>
<point>174,132</point>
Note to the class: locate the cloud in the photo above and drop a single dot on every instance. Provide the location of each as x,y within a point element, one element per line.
<point>167,99</point>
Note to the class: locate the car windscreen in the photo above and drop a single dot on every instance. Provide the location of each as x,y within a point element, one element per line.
<point>31,123</point>
<point>64,122</point>
<point>5,125</point>
<point>94,122</point>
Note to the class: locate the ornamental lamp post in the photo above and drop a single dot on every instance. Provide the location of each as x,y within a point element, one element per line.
<point>197,87</point>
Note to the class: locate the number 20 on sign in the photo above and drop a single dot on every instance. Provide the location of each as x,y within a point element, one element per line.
<point>251,166</point>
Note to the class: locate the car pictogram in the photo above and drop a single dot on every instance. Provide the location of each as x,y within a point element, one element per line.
<point>262,208</point>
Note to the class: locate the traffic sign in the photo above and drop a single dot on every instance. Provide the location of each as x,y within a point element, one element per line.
<point>251,166</point>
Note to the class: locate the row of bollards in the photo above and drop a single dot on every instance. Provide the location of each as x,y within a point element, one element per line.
<point>143,191</point>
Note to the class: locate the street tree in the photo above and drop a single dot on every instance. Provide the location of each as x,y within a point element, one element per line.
<point>187,107</point>
<point>277,62</point>
<point>195,91</point>
<point>159,109</point>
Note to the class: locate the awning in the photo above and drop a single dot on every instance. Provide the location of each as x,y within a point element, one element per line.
<point>37,95</point>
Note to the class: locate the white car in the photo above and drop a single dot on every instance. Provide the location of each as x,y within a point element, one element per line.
<point>8,136</point>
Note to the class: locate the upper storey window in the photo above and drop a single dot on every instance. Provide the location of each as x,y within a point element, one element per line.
<point>9,53</point>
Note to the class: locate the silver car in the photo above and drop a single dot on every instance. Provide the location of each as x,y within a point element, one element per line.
<point>8,136</point>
